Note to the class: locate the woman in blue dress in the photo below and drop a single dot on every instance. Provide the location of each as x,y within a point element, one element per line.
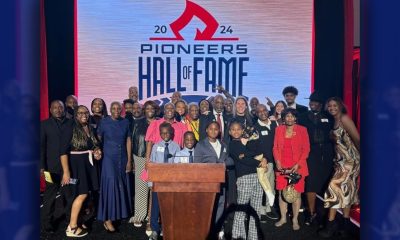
<point>115,196</point>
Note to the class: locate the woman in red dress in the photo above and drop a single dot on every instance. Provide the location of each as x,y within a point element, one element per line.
<point>291,148</point>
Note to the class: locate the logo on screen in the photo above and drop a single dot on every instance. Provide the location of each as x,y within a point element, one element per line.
<point>194,10</point>
<point>194,68</point>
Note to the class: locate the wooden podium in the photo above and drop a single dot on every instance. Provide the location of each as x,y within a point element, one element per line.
<point>186,194</point>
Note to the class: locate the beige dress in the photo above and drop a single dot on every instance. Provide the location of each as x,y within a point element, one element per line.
<point>343,188</point>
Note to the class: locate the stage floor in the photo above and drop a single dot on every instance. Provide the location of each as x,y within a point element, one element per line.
<point>128,231</point>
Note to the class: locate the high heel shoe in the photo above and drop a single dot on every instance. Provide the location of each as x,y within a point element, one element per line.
<point>108,230</point>
<point>73,232</point>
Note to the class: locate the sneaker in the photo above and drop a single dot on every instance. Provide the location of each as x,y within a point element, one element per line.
<point>161,234</point>
<point>221,235</point>
<point>272,215</point>
<point>153,236</point>
<point>310,218</point>
<point>148,230</point>
<point>137,224</point>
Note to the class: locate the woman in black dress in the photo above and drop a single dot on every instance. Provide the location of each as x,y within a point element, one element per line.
<point>79,147</point>
<point>320,159</point>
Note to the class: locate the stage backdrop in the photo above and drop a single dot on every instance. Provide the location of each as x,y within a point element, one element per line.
<point>252,48</point>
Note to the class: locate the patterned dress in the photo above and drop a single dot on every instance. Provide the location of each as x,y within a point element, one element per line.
<point>342,191</point>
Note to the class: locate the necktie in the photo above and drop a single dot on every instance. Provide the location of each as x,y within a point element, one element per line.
<point>220,125</point>
<point>190,156</point>
<point>166,153</point>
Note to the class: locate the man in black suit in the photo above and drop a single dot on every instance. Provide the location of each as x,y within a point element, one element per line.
<point>290,93</point>
<point>52,132</point>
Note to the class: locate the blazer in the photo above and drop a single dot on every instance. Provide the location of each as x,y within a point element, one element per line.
<point>300,146</point>
<point>301,109</point>
<point>206,119</point>
<point>205,153</point>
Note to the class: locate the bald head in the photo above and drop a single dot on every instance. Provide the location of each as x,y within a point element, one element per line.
<point>57,109</point>
<point>71,101</point>
<point>218,103</point>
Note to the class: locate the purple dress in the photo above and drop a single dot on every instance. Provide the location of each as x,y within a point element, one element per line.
<point>115,188</point>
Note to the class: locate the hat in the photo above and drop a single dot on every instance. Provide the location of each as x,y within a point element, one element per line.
<point>316,97</point>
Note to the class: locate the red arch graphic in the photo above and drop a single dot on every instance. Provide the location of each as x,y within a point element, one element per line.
<point>194,10</point>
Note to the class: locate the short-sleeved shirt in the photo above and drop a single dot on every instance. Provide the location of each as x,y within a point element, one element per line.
<point>157,152</point>
<point>183,155</point>
<point>153,131</point>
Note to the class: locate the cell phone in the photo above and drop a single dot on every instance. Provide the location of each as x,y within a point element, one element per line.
<point>73,181</point>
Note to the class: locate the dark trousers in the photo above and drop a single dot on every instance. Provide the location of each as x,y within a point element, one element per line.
<point>155,213</point>
<point>49,200</point>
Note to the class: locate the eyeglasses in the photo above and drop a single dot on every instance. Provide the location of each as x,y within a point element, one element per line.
<point>82,113</point>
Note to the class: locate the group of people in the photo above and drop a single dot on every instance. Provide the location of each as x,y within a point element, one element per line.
<point>90,158</point>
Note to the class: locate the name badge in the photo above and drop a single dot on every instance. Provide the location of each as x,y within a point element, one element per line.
<point>185,160</point>
<point>160,149</point>
<point>264,133</point>
<point>324,120</point>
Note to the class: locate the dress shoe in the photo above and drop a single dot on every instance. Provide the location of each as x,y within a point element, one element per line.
<point>272,214</point>
<point>310,219</point>
<point>108,230</point>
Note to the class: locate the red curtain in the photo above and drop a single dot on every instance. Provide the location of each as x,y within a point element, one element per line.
<point>351,87</point>
<point>348,56</point>
<point>44,94</point>
<point>356,79</point>
<point>44,91</point>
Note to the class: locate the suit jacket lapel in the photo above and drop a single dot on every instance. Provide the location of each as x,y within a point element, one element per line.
<point>210,147</point>
<point>222,151</point>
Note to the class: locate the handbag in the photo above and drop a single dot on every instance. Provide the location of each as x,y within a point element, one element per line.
<point>290,194</point>
<point>144,175</point>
